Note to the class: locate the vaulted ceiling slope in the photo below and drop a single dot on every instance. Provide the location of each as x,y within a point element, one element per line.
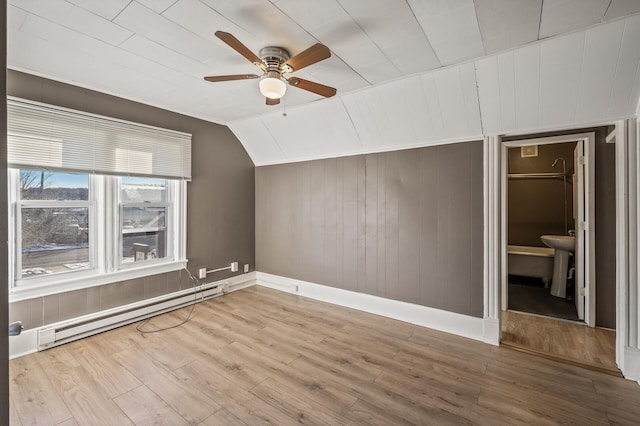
<point>407,72</point>
<point>583,78</point>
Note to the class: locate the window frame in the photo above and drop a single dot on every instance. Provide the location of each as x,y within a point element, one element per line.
<point>50,204</point>
<point>105,238</point>
<point>168,204</point>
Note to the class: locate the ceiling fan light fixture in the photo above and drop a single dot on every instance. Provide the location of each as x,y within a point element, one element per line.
<point>275,61</point>
<point>272,86</point>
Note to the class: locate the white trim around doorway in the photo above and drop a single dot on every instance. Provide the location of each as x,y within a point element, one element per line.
<point>627,138</point>
<point>589,142</point>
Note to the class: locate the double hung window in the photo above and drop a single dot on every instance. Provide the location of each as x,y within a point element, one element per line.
<point>144,219</point>
<point>54,223</point>
<point>91,200</point>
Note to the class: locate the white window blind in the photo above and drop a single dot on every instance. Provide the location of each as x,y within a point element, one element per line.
<point>49,137</point>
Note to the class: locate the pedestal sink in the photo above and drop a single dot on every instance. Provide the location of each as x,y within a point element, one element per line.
<point>562,245</point>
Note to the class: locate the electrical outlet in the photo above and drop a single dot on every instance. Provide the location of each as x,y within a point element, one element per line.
<point>246,267</point>
<point>202,273</point>
<point>234,266</point>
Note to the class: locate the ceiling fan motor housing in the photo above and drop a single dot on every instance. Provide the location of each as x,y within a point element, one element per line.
<point>273,84</point>
<point>274,59</point>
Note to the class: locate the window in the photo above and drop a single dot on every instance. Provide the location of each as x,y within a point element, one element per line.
<point>92,200</point>
<point>55,215</point>
<point>65,227</point>
<point>143,219</point>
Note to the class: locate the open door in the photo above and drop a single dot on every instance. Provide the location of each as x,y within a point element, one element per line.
<point>580,220</point>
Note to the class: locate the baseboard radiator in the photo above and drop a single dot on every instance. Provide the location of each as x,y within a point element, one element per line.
<point>67,331</point>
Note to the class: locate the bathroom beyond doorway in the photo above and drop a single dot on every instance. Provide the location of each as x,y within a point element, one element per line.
<point>559,339</point>
<point>544,197</point>
<point>603,223</point>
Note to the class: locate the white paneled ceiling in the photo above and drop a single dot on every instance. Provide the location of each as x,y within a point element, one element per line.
<point>560,16</point>
<point>586,77</point>
<point>407,73</point>
<point>508,23</point>
<point>452,28</point>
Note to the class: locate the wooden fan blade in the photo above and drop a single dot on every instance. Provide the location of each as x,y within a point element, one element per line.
<point>237,45</point>
<point>216,78</point>
<point>315,53</point>
<point>271,101</point>
<point>311,86</point>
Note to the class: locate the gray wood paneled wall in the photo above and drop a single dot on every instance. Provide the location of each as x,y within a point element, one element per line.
<point>220,202</point>
<point>404,225</point>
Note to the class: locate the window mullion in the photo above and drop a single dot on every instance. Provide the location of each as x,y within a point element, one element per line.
<point>12,228</point>
<point>112,228</point>
<point>96,238</point>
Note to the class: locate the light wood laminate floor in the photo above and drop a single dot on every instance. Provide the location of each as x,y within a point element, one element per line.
<point>562,340</point>
<point>258,356</point>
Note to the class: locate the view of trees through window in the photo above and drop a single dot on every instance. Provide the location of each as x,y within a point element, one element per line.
<point>54,235</point>
<point>43,185</point>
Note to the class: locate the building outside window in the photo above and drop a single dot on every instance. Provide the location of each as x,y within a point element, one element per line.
<point>144,209</point>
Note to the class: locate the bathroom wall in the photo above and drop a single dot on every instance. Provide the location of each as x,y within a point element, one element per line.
<point>404,225</point>
<point>220,209</point>
<point>536,206</point>
<point>605,230</point>
<point>605,206</point>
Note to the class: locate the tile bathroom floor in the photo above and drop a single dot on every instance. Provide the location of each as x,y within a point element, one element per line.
<point>529,295</point>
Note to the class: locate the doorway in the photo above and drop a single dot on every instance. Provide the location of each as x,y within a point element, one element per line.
<point>543,189</point>
<point>547,206</point>
<point>555,193</point>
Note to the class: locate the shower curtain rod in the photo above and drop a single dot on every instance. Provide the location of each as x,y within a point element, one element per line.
<point>536,175</point>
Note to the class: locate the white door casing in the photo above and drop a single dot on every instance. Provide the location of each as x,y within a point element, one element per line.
<point>588,274</point>
<point>580,220</point>
<point>626,137</point>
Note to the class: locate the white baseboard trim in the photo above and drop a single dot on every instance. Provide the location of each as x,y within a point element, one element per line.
<point>240,282</point>
<point>484,330</point>
<point>23,344</point>
<point>28,341</point>
<point>491,328</point>
<point>631,368</point>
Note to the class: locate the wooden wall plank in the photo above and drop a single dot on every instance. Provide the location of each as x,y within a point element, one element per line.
<point>371,224</point>
<point>506,84</point>
<point>408,225</point>
<point>601,55</point>
<point>623,101</point>
<point>488,90</point>
<point>560,73</point>
<point>429,229</point>
<point>392,225</point>
<point>527,86</point>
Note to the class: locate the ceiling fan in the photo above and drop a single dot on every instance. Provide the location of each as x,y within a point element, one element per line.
<point>274,63</point>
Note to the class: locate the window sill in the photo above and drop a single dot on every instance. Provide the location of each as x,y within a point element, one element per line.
<point>62,285</point>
